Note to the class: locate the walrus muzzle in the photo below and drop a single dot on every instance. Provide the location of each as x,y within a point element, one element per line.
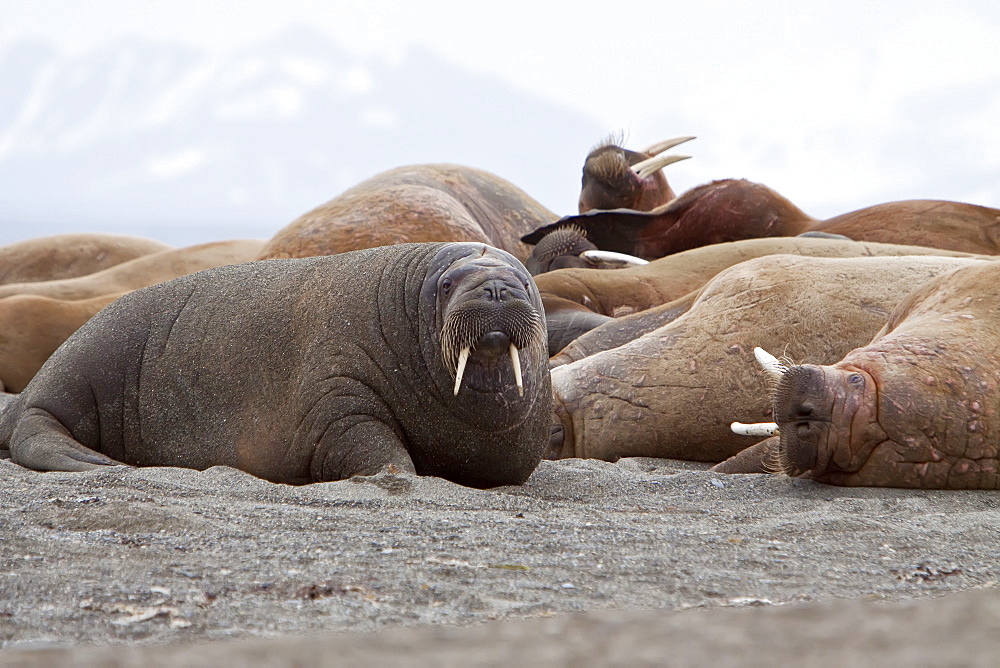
<point>491,330</point>
<point>802,408</point>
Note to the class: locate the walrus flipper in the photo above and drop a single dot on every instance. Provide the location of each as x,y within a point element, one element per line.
<point>365,448</point>
<point>43,443</point>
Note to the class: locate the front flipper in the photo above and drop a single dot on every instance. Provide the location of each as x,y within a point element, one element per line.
<point>43,443</point>
<point>760,458</point>
<point>366,448</point>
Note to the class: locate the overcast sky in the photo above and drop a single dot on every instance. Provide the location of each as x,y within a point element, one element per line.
<point>835,104</point>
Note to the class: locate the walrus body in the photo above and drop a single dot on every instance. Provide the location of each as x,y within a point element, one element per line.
<point>418,203</point>
<point>35,318</point>
<point>674,391</point>
<point>305,370</point>
<point>32,327</point>
<point>142,271</point>
<point>917,407</point>
<point>734,209</point>
<point>657,284</point>
<point>68,255</point>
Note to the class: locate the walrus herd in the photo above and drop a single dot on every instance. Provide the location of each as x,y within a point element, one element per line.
<point>398,327</point>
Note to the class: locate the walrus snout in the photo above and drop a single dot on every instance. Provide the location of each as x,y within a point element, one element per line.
<point>493,344</point>
<point>798,402</point>
<point>488,315</point>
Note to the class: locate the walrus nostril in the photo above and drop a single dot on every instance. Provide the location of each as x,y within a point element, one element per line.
<point>495,291</point>
<point>802,409</point>
<point>493,343</point>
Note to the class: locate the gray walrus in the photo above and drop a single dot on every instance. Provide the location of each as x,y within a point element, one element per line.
<point>430,357</point>
<point>919,406</point>
<point>674,391</point>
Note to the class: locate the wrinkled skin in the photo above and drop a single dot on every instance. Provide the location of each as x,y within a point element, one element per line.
<point>68,255</point>
<point>917,407</point>
<point>730,209</point>
<point>674,391</point>
<point>35,318</point>
<point>418,203</point>
<point>660,283</point>
<point>302,371</point>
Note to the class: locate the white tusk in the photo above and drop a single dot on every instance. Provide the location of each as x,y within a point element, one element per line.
<point>760,429</point>
<point>662,146</point>
<point>650,166</point>
<point>515,359</point>
<point>770,363</point>
<point>600,259</point>
<point>463,358</point>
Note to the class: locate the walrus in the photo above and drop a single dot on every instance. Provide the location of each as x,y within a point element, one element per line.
<point>35,318</point>
<point>674,391</point>
<point>68,255</point>
<point>733,209</point>
<point>417,203</point>
<point>32,327</point>
<point>617,178</point>
<point>142,271</point>
<point>613,294</point>
<point>917,407</point>
<point>426,357</point>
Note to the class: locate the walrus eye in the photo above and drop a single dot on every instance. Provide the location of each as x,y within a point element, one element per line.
<point>856,379</point>
<point>446,286</point>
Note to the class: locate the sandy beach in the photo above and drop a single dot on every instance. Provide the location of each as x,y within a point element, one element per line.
<point>135,557</point>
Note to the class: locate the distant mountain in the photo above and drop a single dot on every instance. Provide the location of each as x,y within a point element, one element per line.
<point>162,141</point>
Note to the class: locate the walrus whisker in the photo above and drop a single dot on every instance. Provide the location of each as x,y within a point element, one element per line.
<point>650,166</point>
<point>599,258</point>
<point>662,146</point>
<point>515,360</point>
<point>463,358</point>
<point>770,363</point>
<point>756,429</point>
<point>772,463</point>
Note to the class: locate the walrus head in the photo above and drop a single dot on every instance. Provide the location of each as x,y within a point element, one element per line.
<point>488,311</point>
<point>617,178</point>
<point>568,248</point>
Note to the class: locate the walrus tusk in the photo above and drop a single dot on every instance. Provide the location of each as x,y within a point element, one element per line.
<point>610,259</point>
<point>650,166</point>
<point>662,146</point>
<point>515,359</point>
<point>463,358</point>
<point>770,363</point>
<point>759,429</point>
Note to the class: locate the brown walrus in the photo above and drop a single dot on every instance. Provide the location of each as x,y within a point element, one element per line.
<point>919,406</point>
<point>657,284</point>
<point>417,203</point>
<point>733,209</point>
<point>428,357</point>
<point>617,178</point>
<point>674,391</point>
<point>35,318</point>
<point>68,255</point>
<point>142,271</point>
<point>32,327</point>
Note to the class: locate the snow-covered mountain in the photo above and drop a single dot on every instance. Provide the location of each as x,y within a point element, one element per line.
<point>162,141</point>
